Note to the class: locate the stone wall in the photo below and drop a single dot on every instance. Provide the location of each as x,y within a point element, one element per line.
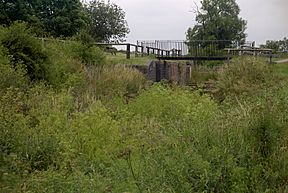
<point>171,71</point>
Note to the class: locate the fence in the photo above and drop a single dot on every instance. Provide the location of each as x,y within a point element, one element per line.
<point>195,48</point>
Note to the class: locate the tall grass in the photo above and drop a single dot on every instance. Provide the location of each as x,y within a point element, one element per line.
<point>105,129</point>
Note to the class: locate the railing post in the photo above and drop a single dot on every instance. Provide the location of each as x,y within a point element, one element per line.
<point>142,50</point>
<point>148,50</point>
<point>128,51</point>
<point>158,52</point>
<point>136,50</point>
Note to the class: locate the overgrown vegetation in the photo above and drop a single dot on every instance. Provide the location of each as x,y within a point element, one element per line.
<point>85,125</point>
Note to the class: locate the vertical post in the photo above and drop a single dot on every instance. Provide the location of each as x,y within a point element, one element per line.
<point>148,50</point>
<point>158,71</point>
<point>128,51</point>
<point>228,54</point>
<point>162,53</point>
<point>136,50</point>
<point>142,50</point>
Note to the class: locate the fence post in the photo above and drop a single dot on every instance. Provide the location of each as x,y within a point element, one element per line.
<point>158,52</point>
<point>136,50</point>
<point>142,50</point>
<point>128,51</point>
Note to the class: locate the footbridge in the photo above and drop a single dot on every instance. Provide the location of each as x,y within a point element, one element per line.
<point>202,49</point>
<point>192,50</point>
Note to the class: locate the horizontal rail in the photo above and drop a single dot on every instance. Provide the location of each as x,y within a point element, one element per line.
<point>194,58</point>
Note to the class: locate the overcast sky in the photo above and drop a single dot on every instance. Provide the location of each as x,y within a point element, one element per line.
<point>170,19</point>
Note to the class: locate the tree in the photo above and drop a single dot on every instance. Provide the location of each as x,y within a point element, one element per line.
<point>277,45</point>
<point>107,21</point>
<point>62,17</point>
<point>56,17</point>
<point>13,10</point>
<point>218,20</point>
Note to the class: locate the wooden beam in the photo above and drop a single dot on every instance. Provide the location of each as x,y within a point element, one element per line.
<point>128,51</point>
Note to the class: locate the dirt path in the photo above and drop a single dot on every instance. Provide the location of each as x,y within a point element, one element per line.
<point>282,61</point>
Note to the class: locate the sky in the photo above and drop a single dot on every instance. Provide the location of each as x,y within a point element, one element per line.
<point>170,19</point>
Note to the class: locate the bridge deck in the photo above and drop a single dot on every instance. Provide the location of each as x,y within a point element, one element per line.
<point>193,57</point>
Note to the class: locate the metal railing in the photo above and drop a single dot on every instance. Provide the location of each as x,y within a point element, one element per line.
<point>191,48</point>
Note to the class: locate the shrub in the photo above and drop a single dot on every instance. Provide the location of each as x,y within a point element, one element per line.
<point>90,55</point>
<point>173,105</point>
<point>24,49</point>
<point>29,142</point>
<point>63,68</point>
<point>11,77</point>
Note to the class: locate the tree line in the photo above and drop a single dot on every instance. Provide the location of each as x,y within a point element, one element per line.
<point>277,45</point>
<point>66,18</point>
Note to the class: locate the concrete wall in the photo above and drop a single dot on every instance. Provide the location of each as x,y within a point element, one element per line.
<point>171,71</point>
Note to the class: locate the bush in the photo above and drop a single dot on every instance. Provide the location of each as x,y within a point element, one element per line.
<point>67,61</point>
<point>173,105</point>
<point>30,124</point>
<point>11,77</point>
<point>90,55</point>
<point>64,70</point>
<point>24,49</point>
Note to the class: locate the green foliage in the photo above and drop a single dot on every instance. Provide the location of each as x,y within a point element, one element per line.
<point>109,82</point>
<point>107,21</point>
<point>202,75</point>
<point>10,77</point>
<point>85,38</point>
<point>62,17</point>
<point>23,50</point>
<point>174,105</point>
<point>90,55</point>
<point>246,75</point>
<point>102,128</point>
<point>218,20</point>
<point>57,18</point>
<point>282,68</point>
<point>63,68</point>
<point>19,10</point>
<point>280,45</point>
<point>29,124</point>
